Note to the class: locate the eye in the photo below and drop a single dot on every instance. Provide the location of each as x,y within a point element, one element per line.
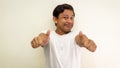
<point>65,17</point>
<point>71,18</point>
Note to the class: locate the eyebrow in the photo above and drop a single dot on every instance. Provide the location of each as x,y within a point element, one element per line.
<point>67,15</point>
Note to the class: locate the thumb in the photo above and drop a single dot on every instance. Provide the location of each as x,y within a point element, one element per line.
<point>80,34</point>
<point>48,33</point>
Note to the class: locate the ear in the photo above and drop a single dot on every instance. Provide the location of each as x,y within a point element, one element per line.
<point>55,19</point>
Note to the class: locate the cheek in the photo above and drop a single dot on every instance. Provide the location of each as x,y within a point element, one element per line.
<point>73,22</point>
<point>62,22</point>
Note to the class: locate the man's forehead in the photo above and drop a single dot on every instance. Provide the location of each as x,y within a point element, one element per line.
<point>66,14</point>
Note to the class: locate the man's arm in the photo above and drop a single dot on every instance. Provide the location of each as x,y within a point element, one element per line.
<point>40,40</point>
<point>83,41</point>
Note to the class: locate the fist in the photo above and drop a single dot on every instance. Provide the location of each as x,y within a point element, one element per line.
<point>41,40</point>
<point>83,41</point>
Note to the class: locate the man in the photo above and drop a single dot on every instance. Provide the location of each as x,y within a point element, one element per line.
<point>62,46</point>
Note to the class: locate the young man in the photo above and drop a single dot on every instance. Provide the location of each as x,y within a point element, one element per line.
<point>62,46</point>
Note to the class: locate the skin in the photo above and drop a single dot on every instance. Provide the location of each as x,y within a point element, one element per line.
<point>64,24</point>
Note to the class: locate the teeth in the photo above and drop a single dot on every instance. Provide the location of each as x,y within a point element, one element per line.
<point>66,23</point>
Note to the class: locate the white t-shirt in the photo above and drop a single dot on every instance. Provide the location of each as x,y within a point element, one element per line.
<point>62,51</point>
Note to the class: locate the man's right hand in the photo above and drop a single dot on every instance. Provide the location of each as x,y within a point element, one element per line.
<point>41,40</point>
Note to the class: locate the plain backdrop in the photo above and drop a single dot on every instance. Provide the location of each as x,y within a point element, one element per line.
<point>22,20</point>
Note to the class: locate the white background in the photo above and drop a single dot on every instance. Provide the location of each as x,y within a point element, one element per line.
<point>21,20</point>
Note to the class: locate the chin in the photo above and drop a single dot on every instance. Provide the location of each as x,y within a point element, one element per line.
<point>67,31</point>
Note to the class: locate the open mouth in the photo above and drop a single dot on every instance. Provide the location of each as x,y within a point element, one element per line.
<point>68,25</point>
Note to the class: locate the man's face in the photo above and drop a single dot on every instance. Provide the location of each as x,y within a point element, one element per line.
<point>65,21</point>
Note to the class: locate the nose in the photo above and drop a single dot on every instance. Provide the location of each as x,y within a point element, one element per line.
<point>70,20</point>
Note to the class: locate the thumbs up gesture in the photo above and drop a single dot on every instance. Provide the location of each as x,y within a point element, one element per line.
<point>41,40</point>
<point>83,41</point>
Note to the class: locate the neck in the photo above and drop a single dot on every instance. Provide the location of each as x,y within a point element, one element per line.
<point>60,32</point>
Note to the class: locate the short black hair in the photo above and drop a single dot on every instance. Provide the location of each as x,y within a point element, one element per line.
<point>60,8</point>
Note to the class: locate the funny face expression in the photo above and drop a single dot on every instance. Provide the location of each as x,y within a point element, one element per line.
<point>65,21</point>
